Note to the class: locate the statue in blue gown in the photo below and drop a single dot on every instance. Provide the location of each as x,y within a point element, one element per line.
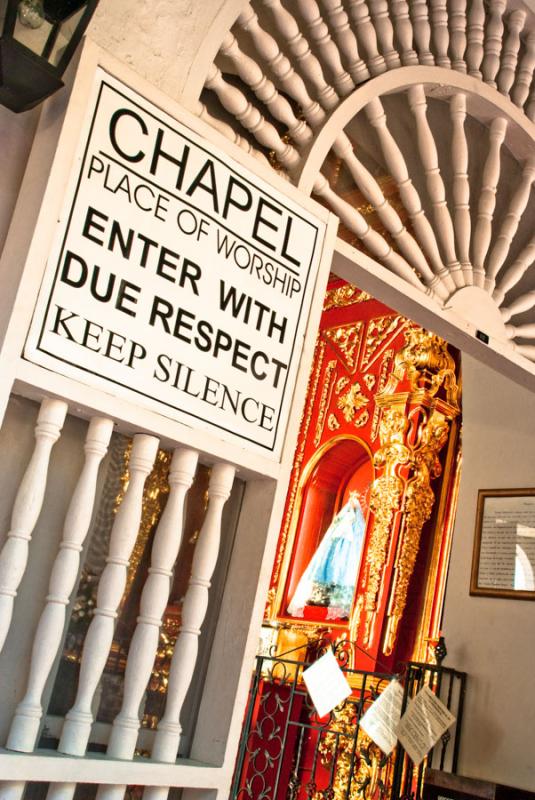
<point>329,579</point>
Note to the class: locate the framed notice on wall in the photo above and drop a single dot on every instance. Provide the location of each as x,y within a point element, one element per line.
<point>178,278</point>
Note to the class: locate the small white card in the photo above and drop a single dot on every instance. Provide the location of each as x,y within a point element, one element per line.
<point>382,718</point>
<point>423,723</point>
<point>326,683</point>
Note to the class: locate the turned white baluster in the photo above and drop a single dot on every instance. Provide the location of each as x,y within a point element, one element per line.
<point>385,32</point>
<point>422,31</point>
<point>265,90</point>
<point>98,640</point>
<point>487,199</point>
<point>493,42</point>
<point>388,216</point>
<point>526,68</point>
<point>515,272</point>
<point>363,27</point>
<point>299,47</point>
<point>506,75</point>
<point>475,38</point>
<point>526,331</point>
<point>530,105</point>
<point>461,185</point>
<point>25,725</point>
<point>441,34</point>
<point>404,32</point>
<point>346,40</point>
<point>330,55</point>
<point>376,244</point>
<point>409,196</point>
<point>152,605</point>
<point>167,739</point>
<point>268,49</point>
<point>26,509</point>
<point>526,350</point>
<point>237,104</point>
<point>435,186</point>
<point>458,34</point>
<point>523,303</point>
<point>511,221</point>
<point>229,132</point>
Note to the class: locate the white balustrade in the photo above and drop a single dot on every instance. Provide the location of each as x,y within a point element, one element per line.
<point>99,637</point>
<point>511,49</point>
<point>299,47</point>
<point>167,739</point>
<point>26,509</point>
<point>526,350</point>
<point>509,226</point>
<point>458,39</point>
<point>363,26</point>
<point>346,40</point>
<point>525,331</point>
<point>441,34</point>
<point>47,640</point>
<point>409,196</point>
<point>435,186</point>
<point>385,32</point>
<point>461,184</point>
<point>404,33</point>
<point>526,68</point>
<point>530,105</point>
<point>154,598</point>
<point>515,272</point>
<point>265,90</point>
<point>330,55</point>
<point>493,42</point>
<point>228,131</point>
<point>422,31</point>
<point>487,200</point>
<point>268,50</point>
<point>237,104</point>
<point>523,303</point>
<point>475,38</point>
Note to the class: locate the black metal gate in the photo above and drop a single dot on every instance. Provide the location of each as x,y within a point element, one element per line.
<point>287,753</point>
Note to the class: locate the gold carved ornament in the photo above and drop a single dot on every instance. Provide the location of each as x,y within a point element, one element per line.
<point>342,296</point>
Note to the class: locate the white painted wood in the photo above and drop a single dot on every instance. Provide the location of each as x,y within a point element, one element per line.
<point>228,131</point>
<point>411,200</point>
<point>493,42</point>
<point>265,90</point>
<point>475,38</point>
<point>487,200</point>
<point>530,106</point>
<point>268,50</point>
<point>461,184</point>
<point>435,187</point>
<point>422,31</point>
<point>510,223</point>
<point>526,350</point>
<point>458,34</point>
<point>250,117</point>
<point>346,40</point>
<point>526,68</point>
<point>441,34</point>
<point>525,331</point>
<point>404,33</point>
<point>25,725</point>
<point>363,26</point>
<point>511,48</point>
<point>327,49</point>
<point>26,509</point>
<point>385,32</point>
<point>515,272</point>
<point>299,47</point>
<point>167,737</point>
<point>98,640</point>
<point>518,306</point>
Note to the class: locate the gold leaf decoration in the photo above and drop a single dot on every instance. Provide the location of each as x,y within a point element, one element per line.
<point>332,423</point>
<point>342,296</point>
<point>352,401</point>
<point>345,340</point>
<point>379,331</point>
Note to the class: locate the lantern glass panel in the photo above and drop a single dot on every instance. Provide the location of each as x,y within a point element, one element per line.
<point>65,33</point>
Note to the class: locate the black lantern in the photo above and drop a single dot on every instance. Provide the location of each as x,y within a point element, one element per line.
<point>38,40</point>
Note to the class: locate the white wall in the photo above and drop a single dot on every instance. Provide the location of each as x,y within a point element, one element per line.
<point>490,638</point>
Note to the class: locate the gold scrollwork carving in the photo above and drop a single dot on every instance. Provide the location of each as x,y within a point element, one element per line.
<point>379,330</point>
<point>332,423</point>
<point>369,380</point>
<point>346,295</point>
<point>362,419</point>
<point>341,384</point>
<point>325,398</point>
<point>345,341</point>
<point>352,401</point>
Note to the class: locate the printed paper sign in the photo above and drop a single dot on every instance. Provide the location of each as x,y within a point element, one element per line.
<point>326,683</point>
<point>382,718</point>
<point>423,723</point>
<point>178,278</point>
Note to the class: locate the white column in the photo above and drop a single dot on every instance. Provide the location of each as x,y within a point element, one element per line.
<point>184,658</point>
<point>524,79</point>
<point>404,32</point>
<point>346,40</point>
<point>441,34</point>
<point>230,133</point>
<point>515,272</point>
<point>362,25</point>
<point>27,507</point>
<point>330,55</point>
<point>493,42</point>
<point>422,31</point>
<point>385,32</point>
<point>518,306</point>
<point>461,184</point>
<point>154,598</point>
<point>511,48</point>
<point>458,34</point>
<point>475,38</point>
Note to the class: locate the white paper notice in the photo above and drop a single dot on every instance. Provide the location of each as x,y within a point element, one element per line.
<point>382,718</point>
<point>423,723</point>
<point>326,683</point>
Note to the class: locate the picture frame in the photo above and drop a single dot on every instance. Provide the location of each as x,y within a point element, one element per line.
<point>503,560</point>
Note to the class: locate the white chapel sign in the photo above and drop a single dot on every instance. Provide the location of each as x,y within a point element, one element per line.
<point>178,278</point>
